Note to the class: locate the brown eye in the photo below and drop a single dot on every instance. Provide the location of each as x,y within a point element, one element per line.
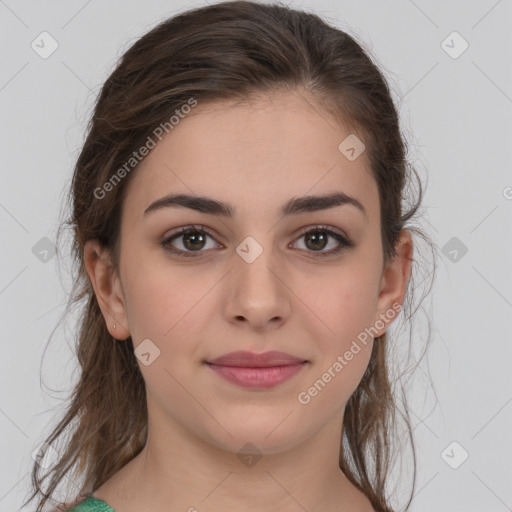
<point>193,240</point>
<point>317,239</point>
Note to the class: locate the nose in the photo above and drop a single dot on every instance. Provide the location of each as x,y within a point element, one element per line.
<point>259,294</point>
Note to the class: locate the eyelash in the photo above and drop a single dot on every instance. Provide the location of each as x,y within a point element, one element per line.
<point>342,240</point>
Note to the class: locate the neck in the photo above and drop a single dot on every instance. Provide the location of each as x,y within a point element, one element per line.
<point>177,470</point>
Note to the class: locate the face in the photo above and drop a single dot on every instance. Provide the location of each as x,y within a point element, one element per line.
<point>255,280</point>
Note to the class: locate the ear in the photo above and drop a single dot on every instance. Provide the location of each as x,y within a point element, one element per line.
<point>394,282</point>
<point>107,288</point>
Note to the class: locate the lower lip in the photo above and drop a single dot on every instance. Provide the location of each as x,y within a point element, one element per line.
<point>257,377</point>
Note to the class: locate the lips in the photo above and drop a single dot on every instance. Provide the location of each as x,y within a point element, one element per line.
<point>244,359</point>
<point>257,371</point>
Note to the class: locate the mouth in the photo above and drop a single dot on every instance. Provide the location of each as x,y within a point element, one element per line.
<point>245,359</point>
<point>261,377</point>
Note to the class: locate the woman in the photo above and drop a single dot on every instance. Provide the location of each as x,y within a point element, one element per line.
<point>241,250</point>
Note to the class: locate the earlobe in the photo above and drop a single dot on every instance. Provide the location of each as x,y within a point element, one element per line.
<point>394,281</point>
<point>105,281</point>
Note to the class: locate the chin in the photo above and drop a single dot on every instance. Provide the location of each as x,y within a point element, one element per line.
<point>259,437</point>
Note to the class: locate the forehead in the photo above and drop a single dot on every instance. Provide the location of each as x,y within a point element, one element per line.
<point>255,155</point>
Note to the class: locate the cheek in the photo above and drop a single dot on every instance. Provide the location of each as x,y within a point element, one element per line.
<point>167,305</point>
<point>344,310</point>
<point>331,386</point>
<point>343,345</point>
<point>170,309</point>
<point>344,306</point>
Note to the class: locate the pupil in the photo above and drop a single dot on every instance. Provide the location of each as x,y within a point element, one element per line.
<point>318,237</point>
<point>195,238</point>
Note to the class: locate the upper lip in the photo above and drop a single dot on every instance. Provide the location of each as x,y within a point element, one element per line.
<point>251,360</point>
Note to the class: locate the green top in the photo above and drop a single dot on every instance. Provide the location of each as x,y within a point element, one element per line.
<point>91,504</point>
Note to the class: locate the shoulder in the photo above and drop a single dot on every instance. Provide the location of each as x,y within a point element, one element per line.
<point>89,504</point>
<point>66,506</point>
<point>80,505</point>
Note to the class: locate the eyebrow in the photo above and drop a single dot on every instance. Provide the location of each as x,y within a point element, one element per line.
<point>294,206</point>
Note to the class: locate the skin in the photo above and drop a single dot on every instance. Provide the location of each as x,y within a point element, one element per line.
<point>255,156</point>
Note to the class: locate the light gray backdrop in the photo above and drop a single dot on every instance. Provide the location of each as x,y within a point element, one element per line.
<point>449,65</point>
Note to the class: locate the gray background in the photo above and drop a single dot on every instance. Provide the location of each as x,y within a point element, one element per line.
<point>456,113</point>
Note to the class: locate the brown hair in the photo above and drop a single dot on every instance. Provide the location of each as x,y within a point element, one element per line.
<point>233,51</point>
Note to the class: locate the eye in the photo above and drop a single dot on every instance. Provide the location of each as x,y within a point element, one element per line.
<point>317,239</point>
<point>194,240</point>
